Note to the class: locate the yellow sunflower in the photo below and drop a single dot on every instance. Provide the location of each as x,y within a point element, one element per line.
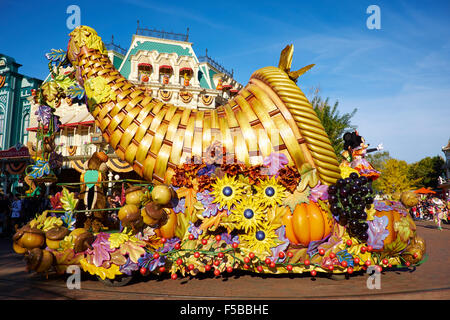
<point>247,215</point>
<point>227,191</point>
<point>261,239</point>
<point>270,193</point>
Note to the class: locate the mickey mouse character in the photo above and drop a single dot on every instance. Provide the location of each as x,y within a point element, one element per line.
<point>355,150</point>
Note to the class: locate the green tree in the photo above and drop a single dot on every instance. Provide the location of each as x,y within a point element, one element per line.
<point>378,159</point>
<point>335,123</point>
<point>394,177</point>
<point>427,171</point>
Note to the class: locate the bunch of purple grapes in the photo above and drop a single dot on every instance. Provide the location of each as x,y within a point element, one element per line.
<point>348,200</point>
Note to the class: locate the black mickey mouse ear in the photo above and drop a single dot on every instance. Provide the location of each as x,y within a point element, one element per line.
<point>348,136</point>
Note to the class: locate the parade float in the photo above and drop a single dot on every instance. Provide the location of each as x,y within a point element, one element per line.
<point>252,185</point>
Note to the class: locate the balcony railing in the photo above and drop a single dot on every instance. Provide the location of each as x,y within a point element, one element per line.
<point>215,64</point>
<point>115,47</point>
<point>162,34</point>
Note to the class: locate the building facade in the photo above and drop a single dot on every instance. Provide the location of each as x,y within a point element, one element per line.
<point>15,114</point>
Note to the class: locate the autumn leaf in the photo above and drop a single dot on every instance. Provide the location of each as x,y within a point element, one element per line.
<point>100,249</point>
<point>190,195</point>
<point>309,177</point>
<point>66,258</point>
<point>182,225</point>
<point>116,239</point>
<point>213,222</point>
<point>68,200</point>
<point>133,249</point>
<point>292,200</point>
<point>403,229</point>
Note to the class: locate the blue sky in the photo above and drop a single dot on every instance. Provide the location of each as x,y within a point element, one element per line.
<point>397,77</point>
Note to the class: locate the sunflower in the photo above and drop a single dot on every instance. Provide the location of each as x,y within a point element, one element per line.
<point>227,191</point>
<point>247,215</point>
<point>261,239</point>
<point>270,193</point>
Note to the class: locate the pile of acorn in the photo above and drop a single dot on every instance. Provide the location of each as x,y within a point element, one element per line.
<point>348,200</point>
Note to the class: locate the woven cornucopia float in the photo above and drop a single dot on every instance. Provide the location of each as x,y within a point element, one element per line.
<point>253,184</point>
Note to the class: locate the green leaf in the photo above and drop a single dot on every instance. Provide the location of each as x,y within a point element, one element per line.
<point>394,247</point>
<point>68,200</point>
<point>292,200</point>
<point>182,225</point>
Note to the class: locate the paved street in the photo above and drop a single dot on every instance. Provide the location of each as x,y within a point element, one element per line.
<point>428,281</point>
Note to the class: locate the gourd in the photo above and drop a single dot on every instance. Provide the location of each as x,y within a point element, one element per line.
<point>307,223</point>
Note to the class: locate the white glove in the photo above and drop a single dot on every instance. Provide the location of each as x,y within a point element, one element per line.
<point>380,147</point>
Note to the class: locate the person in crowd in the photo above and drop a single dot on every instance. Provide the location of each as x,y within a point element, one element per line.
<point>16,212</point>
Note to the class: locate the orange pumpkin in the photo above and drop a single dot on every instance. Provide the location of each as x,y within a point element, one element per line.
<point>308,223</point>
<point>393,216</point>
<point>167,230</point>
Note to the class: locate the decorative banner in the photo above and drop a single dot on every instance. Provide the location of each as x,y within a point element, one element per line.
<point>165,95</point>
<point>14,153</point>
<point>16,167</point>
<point>207,100</point>
<point>2,81</point>
<point>185,96</point>
<point>115,165</point>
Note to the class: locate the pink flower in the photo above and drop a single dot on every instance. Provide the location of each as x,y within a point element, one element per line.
<point>275,161</point>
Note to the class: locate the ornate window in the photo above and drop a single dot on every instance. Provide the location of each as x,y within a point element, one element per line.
<point>25,124</point>
<point>144,72</point>
<point>165,72</point>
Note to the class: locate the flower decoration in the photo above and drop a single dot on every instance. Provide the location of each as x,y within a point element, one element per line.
<point>129,267</point>
<point>381,206</point>
<point>377,231</point>
<point>270,193</point>
<point>44,114</point>
<point>247,215</point>
<point>148,261</point>
<point>281,233</point>
<point>194,230</point>
<point>398,206</point>
<point>230,239</point>
<point>227,191</point>
<point>319,192</point>
<point>180,206</point>
<point>289,177</point>
<point>261,240</point>
<point>274,162</point>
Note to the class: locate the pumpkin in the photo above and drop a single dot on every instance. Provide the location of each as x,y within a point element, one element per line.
<point>307,223</point>
<point>167,230</point>
<point>393,216</point>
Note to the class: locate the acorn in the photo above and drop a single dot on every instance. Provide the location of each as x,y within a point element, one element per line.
<point>153,214</point>
<point>161,194</point>
<point>55,235</point>
<point>39,260</point>
<point>130,216</point>
<point>409,199</point>
<point>29,238</point>
<point>133,195</point>
<point>415,251</point>
<point>18,249</point>
<point>83,242</point>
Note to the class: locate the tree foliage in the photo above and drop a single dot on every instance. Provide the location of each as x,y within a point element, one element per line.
<point>335,123</point>
<point>427,171</point>
<point>394,177</point>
